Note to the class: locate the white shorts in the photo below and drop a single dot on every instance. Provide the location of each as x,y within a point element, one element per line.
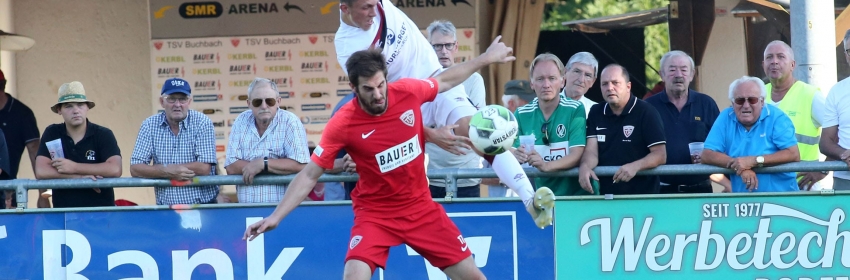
<point>447,108</point>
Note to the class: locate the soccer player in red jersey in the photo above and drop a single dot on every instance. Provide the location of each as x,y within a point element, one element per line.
<point>384,135</point>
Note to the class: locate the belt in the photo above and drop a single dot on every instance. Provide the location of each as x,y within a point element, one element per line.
<point>688,188</point>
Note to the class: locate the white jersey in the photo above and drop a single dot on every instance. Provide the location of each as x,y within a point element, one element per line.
<point>408,53</point>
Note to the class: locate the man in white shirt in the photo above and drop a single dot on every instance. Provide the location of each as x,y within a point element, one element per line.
<point>379,24</point>
<point>443,37</point>
<point>580,76</point>
<point>835,136</point>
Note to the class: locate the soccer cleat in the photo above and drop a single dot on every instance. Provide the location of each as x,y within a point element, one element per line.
<point>544,207</point>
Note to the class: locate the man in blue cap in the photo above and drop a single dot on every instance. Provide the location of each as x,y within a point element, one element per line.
<point>177,144</point>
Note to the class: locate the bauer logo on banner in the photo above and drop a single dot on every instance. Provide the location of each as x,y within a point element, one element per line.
<point>171,72</point>
<point>278,55</point>
<point>319,66</point>
<point>283,82</point>
<point>203,58</point>
<point>206,85</point>
<point>342,80</point>
<point>242,69</point>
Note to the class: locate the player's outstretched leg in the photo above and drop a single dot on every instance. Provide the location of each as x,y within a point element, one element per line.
<point>509,171</point>
<point>357,270</point>
<point>464,270</point>
<point>544,206</point>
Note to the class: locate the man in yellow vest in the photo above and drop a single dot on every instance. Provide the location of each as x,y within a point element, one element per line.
<point>803,103</point>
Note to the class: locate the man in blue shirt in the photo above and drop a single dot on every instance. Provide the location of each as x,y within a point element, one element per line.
<point>752,134</point>
<point>687,116</point>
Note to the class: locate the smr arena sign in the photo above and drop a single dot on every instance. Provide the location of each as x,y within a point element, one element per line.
<point>756,237</point>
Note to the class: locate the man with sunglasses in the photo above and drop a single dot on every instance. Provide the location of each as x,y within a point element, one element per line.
<point>178,144</point>
<point>265,139</point>
<point>557,124</point>
<point>802,102</point>
<point>378,24</point>
<point>752,134</point>
<point>443,36</point>
<point>688,116</point>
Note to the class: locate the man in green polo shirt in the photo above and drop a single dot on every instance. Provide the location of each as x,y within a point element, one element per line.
<point>557,124</point>
<point>802,102</point>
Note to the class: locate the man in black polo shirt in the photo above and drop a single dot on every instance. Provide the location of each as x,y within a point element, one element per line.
<point>626,132</point>
<point>687,116</point>
<point>90,151</point>
<point>19,126</point>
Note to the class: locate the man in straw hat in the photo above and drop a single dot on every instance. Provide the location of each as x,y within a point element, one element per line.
<point>178,144</point>
<point>78,148</point>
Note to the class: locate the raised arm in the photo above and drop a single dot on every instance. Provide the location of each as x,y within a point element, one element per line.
<point>455,75</point>
<point>300,187</point>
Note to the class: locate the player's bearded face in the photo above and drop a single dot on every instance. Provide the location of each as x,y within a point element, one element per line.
<point>372,93</point>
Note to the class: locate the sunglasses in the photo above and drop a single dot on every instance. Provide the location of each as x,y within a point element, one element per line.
<point>751,100</point>
<point>257,102</point>
<point>545,130</point>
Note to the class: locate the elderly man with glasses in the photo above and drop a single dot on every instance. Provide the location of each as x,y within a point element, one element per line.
<point>752,134</point>
<point>177,144</point>
<point>265,139</point>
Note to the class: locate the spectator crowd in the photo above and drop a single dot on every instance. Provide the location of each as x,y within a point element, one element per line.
<point>771,121</point>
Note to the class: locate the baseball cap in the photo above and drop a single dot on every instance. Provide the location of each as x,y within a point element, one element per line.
<point>176,85</point>
<point>521,88</point>
<point>2,76</point>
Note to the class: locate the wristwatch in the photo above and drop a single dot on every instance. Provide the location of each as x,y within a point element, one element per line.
<point>760,161</point>
<point>265,164</point>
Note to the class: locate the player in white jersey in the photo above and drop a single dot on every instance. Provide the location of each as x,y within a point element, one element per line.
<point>379,24</point>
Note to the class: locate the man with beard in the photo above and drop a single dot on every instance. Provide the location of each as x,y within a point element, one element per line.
<point>382,132</point>
<point>366,24</point>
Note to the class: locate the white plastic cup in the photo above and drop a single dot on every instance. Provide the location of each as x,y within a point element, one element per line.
<point>527,142</point>
<point>696,151</point>
<point>55,149</point>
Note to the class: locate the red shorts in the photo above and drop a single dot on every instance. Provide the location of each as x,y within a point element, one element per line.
<point>430,232</point>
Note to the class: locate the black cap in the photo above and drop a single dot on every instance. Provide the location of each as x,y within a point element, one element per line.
<point>521,88</point>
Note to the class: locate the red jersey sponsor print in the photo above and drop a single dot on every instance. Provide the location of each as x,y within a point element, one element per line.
<point>388,150</point>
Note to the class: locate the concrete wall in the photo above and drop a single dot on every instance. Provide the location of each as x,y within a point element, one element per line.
<point>725,58</point>
<point>102,43</point>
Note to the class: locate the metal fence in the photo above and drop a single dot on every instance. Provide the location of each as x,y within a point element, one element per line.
<point>450,175</point>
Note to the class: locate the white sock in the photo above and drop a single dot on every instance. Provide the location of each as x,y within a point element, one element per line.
<point>511,174</point>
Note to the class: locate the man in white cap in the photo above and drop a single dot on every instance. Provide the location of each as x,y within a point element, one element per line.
<point>77,148</point>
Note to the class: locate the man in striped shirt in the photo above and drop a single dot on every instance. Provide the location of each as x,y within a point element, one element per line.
<point>267,140</point>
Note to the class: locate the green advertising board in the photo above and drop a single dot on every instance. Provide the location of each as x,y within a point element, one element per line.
<point>726,236</point>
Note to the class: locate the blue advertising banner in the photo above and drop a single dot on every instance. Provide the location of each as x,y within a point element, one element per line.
<point>206,244</point>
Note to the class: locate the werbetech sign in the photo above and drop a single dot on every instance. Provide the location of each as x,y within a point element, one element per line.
<point>726,237</point>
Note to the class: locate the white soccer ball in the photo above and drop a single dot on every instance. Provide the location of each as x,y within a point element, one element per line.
<point>493,129</point>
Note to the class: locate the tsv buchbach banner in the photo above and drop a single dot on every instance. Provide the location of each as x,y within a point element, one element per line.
<point>756,237</point>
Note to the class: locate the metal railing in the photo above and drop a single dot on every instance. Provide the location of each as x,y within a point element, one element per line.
<point>450,175</point>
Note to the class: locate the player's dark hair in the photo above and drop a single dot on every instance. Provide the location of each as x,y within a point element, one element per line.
<point>347,2</point>
<point>365,63</point>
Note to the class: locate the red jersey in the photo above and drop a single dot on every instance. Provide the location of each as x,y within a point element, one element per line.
<point>388,150</point>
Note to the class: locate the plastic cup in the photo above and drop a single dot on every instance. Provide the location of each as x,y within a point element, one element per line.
<point>696,151</point>
<point>527,142</point>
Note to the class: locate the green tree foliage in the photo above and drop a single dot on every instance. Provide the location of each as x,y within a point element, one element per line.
<point>656,37</point>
